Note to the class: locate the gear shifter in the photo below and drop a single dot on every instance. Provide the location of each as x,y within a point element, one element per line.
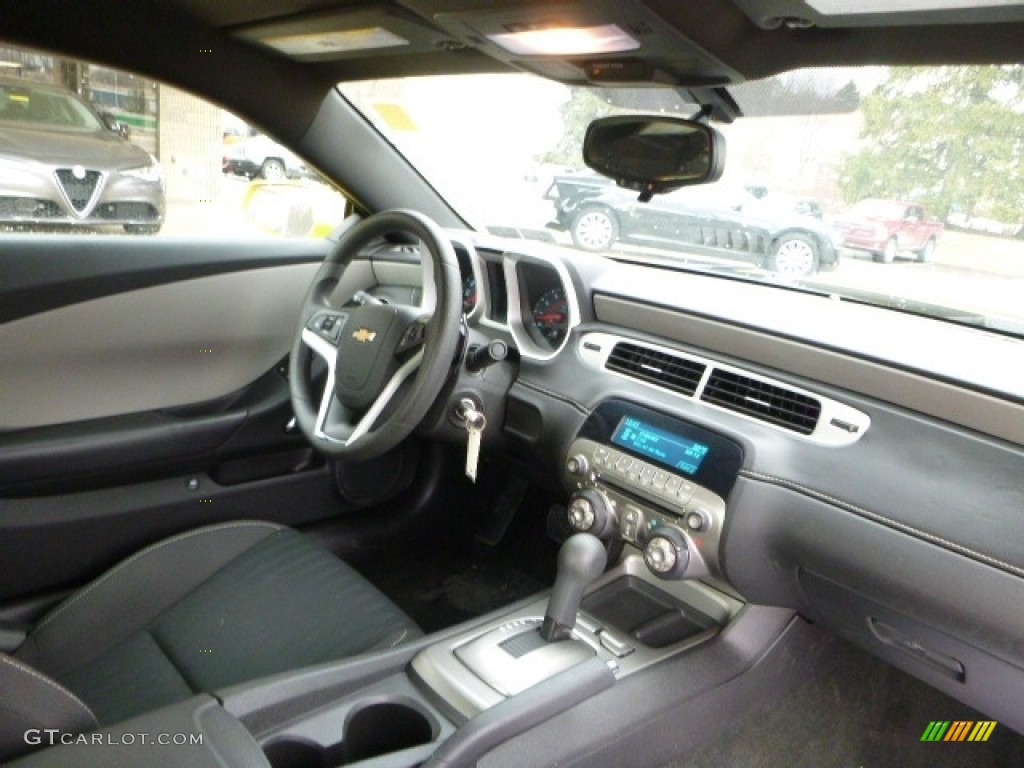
<point>581,559</point>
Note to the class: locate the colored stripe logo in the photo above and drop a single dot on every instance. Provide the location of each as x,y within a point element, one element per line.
<point>958,730</point>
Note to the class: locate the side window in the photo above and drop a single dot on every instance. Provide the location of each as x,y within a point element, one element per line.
<point>95,150</point>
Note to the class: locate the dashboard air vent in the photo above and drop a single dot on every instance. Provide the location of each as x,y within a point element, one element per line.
<point>670,371</point>
<point>760,400</point>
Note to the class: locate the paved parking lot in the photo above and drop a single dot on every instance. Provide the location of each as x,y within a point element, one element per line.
<point>977,273</point>
<point>972,272</point>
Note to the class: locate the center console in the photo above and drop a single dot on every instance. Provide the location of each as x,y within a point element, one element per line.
<point>646,486</point>
<point>639,478</point>
<point>655,482</point>
<point>629,621</point>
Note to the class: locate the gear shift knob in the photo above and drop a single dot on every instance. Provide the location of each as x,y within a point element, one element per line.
<point>581,559</point>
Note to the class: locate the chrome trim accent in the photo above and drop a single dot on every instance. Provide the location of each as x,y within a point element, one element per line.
<point>428,292</point>
<point>528,348</point>
<point>825,433</point>
<point>482,288</point>
<point>507,674</point>
<point>81,215</point>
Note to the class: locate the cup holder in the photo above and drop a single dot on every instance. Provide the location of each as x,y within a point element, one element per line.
<point>370,731</point>
<point>296,753</point>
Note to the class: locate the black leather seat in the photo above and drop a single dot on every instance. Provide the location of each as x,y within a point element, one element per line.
<point>198,612</point>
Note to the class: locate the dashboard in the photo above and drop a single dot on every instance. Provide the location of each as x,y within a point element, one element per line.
<point>823,470</point>
<point>528,297</point>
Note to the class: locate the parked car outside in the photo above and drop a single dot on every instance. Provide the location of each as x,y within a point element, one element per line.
<point>62,164</point>
<point>261,156</point>
<point>719,221</point>
<point>569,189</point>
<point>886,227</point>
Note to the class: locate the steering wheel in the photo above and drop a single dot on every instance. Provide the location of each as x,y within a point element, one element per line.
<point>372,350</point>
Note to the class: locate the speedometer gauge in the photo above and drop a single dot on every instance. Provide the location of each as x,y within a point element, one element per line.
<point>550,316</point>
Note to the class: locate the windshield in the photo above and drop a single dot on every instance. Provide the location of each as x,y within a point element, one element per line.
<point>22,104</point>
<point>895,186</point>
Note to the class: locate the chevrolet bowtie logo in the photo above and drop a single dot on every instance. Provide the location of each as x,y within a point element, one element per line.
<point>364,335</point>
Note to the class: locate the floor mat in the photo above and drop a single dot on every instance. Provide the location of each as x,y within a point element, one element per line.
<point>459,576</point>
<point>864,714</point>
<point>436,597</point>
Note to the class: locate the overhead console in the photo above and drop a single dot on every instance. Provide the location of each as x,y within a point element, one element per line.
<point>597,41</point>
<point>654,481</point>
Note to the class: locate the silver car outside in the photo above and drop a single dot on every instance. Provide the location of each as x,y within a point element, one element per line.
<point>61,165</point>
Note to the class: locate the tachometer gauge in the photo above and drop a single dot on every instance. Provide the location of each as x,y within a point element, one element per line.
<point>551,316</point>
<point>468,294</point>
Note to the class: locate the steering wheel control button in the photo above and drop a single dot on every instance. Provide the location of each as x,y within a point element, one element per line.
<point>328,325</point>
<point>413,337</point>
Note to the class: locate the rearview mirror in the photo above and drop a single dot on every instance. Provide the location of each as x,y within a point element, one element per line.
<point>654,155</point>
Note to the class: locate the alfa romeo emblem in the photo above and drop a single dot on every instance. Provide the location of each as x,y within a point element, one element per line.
<point>78,172</point>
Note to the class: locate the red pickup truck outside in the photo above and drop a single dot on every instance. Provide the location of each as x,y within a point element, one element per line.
<point>886,227</point>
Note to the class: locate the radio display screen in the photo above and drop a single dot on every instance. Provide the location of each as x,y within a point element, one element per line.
<point>667,448</point>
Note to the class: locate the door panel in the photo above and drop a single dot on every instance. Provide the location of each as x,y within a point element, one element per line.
<point>53,542</point>
<point>143,394</point>
<point>158,347</point>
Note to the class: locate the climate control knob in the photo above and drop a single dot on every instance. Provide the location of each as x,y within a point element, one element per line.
<point>590,511</point>
<point>666,553</point>
<point>581,513</point>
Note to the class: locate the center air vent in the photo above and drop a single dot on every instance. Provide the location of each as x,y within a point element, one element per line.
<point>761,400</point>
<point>669,371</point>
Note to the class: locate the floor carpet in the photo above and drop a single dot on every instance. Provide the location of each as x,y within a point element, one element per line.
<point>468,573</point>
<point>862,714</point>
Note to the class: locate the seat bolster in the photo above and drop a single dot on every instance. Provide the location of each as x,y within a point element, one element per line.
<point>31,700</point>
<point>126,598</point>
